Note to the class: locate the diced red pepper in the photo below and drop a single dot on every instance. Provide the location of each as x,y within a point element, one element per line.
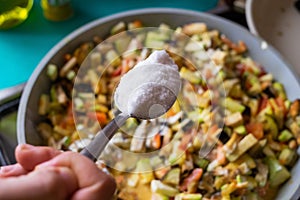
<point>263,104</point>
<point>256,129</point>
<point>116,72</point>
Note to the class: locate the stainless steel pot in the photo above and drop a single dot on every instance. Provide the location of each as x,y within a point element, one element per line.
<point>28,116</point>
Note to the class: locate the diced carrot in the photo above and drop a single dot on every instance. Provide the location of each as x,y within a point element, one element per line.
<point>170,113</point>
<point>156,142</point>
<point>99,116</point>
<point>240,47</point>
<point>137,24</point>
<point>294,109</point>
<point>221,156</point>
<point>281,105</point>
<point>256,129</point>
<point>193,177</point>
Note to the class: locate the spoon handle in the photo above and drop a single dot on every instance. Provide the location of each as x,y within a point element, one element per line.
<point>97,145</point>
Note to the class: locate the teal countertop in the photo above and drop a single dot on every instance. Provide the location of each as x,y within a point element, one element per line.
<point>22,47</point>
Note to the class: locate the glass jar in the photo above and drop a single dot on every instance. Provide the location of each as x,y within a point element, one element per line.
<point>14,12</point>
<point>57,10</point>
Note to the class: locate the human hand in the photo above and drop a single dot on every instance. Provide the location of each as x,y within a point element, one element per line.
<point>46,173</point>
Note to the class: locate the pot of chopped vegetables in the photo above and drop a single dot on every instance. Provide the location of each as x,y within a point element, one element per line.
<point>254,155</point>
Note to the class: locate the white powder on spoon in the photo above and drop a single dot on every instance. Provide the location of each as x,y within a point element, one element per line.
<point>150,88</point>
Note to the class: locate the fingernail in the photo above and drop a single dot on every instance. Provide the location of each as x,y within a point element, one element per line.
<point>6,169</point>
<point>25,146</point>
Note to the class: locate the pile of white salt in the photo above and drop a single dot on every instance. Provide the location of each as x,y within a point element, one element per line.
<point>150,88</point>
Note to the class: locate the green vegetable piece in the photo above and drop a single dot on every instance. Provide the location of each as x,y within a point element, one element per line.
<point>280,90</point>
<point>287,157</point>
<point>159,187</point>
<point>241,130</point>
<point>190,76</point>
<point>253,81</point>
<point>44,104</point>
<point>156,39</point>
<point>200,162</point>
<point>143,165</point>
<point>121,26</point>
<point>253,105</point>
<point>183,196</point>
<point>53,94</point>
<point>113,58</point>
<point>270,125</point>
<point>233,105</point>
<point>156,161</point>
<point>245,158</point>
<point>71,75</point>
<point>172,177</point>
<point>246,143</point>
<point>157,196</point>
<point>122,43</point>
<point>145,170</point>
<point>239,179</point>
<point>285,136</point>
<point>268,151</point>
<point>131,124</point>
<point>52,72</point>
<point>278,173</point>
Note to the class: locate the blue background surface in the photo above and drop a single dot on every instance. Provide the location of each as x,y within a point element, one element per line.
<point>22,47</point>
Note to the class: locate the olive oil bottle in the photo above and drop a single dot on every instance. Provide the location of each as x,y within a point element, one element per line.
<point>13,12</point>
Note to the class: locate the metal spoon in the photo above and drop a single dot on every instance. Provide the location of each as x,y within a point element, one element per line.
<point>94,149</point>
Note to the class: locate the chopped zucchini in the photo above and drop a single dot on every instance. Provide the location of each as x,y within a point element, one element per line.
<point>183,196</point>
<point>285,136</point>
<point>280,90</point>
<point>44,104</point>
<point>245,158</point>
<point>144,168</point>
<point>233,105</point>
<point>119,27</point>
<point>287,157</point>
<point>278,173</point>
<point>157,196</point>
<point>246,143</point>
<point>241,130</point>
<point>172,177</point>
<point>190,76</point>
<point>161,188</point>
<point>52,72</point>
<point>122,43</point>
<point>113,58</point>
